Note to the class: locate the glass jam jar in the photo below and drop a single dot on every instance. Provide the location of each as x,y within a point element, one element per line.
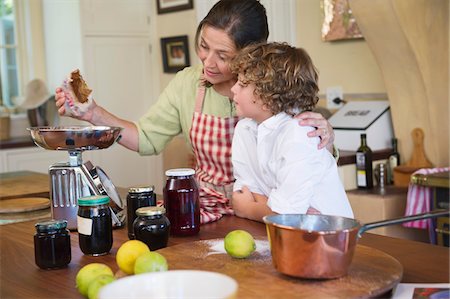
<point>94,225</point>
<point>182,202</point>
<point>138,197</point>
<point>52,244</point>
<point>152,227</point>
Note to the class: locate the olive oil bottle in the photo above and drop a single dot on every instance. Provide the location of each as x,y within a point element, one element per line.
<point>364,177</point>
<point>393,161</point>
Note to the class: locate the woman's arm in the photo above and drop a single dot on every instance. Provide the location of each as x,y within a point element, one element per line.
<point>98,116</point>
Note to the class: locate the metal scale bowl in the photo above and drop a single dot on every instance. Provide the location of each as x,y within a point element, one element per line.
<point>74,179</point>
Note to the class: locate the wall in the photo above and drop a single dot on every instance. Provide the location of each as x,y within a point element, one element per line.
<point>348,63</point>
<point>173,24</point>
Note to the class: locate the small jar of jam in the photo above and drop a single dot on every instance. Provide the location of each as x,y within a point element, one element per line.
<point>182,202</point>
<point>152,227</point>
<point>138,197</point>
<point>94,225</point>
<point>52,244</point>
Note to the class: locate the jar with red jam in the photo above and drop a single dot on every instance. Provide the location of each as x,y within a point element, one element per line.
<point>181,202</point>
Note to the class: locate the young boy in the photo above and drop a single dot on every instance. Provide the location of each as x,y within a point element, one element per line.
<point>278,168</point>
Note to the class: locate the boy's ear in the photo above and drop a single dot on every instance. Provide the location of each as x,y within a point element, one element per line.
<point>265,107</point>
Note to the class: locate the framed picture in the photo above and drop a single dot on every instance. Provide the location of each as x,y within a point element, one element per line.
<point>165,6</point>
<point>339,22</point>
<point>175,53</point>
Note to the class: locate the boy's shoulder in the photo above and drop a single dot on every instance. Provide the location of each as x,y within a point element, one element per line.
<point>292,124</point>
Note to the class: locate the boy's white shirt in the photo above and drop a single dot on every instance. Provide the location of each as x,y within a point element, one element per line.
<point>277,159</point>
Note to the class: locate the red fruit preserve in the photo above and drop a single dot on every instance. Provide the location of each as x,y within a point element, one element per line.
<point>181,202</point>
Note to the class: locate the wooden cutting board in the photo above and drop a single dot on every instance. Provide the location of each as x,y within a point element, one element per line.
<point>18,205</point>
<point>23,184</point>
<point>372,272</point>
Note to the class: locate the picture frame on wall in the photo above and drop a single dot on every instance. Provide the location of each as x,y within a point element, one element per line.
<point>166,6</point>
<point>338,21</point>
<point>175,53</point>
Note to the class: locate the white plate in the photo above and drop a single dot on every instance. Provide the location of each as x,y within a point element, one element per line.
<point>172,284</point>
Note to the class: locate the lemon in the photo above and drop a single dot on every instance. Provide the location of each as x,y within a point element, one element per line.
<point>239,244</point>
<point>88,273</point>
<point>99,282</point>
<point>150,262</point>
<point>128,253</point>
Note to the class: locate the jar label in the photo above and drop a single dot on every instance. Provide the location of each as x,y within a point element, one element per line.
<point>84,226</point>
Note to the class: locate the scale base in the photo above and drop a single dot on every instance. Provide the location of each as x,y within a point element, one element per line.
<point>68,183</point>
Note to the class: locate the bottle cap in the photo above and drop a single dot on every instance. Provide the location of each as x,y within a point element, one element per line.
<point>180,172</point>
<point>141,189</point>
<point>93,200</point>
<point>50,225</point>
<point>150,211</point>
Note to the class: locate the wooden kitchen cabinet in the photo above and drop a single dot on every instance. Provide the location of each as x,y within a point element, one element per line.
<point>29,158</point>
<point>371,206</point>
<point>121,68</point>
<point>116,17</point>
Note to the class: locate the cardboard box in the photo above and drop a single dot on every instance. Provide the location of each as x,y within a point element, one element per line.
<point>358,117</point>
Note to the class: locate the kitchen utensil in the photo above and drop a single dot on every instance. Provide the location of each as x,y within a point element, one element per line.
<point>172,284</point>
<point>320,246</point>
<point>76,138</point>
<point>402,173</point>
<point>74,179</point>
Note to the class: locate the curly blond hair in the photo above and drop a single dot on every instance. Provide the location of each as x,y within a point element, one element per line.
<point>284,76</point>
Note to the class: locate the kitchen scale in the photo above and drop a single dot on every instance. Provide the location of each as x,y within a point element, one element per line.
<point>74,179</point>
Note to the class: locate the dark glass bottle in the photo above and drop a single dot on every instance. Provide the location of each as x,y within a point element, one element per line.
<point>182,202</point>
<point>393,160</point>
<point>138,197</point>
<point>94,225</point>
<point>364,177</point>
<point>52,244</point>
<point>152,227</point>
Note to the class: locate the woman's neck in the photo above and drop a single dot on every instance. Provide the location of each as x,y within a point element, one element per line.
<point>224,88</point>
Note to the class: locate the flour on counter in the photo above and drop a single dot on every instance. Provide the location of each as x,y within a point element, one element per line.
<point>216,246</point>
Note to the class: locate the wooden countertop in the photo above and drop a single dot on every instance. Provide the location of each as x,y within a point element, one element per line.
<point>21,278</point>
<point>17,142</point>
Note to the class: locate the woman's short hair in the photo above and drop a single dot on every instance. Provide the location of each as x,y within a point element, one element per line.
<point>286,80</point>
<point>245,21</point>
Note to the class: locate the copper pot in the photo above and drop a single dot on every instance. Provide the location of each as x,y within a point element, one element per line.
<point>320,246</point>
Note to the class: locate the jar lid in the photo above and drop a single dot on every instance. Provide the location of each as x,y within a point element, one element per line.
<point>93,200</point>
<point>141,189</point>
<point>50,225</point>
<point>150,211</point>
<point>180,172</point>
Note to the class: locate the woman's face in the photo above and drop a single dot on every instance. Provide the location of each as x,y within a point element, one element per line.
<point>215,50</point>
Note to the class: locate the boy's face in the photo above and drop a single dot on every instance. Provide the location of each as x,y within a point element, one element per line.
<point>247,103</point>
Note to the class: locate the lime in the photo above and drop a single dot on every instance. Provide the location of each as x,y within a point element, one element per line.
<point>150,262</point>
<point>128,253</point>
<point>99,282</point>
<point>239,244</point>
<point>88,273</point>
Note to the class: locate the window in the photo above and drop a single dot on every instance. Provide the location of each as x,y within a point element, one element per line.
<point>9,77</point>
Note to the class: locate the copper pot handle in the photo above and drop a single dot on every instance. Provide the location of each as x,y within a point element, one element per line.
<point>372,225</point>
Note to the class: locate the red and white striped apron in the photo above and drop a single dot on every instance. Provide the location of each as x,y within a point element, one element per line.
<point>211,138</point>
